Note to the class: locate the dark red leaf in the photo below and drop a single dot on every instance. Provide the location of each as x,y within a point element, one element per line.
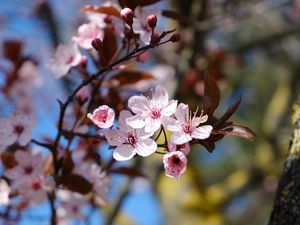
<point>76,183</point>
<point>237,131</point>
<point>68,163</point>
<point>211,95</point>
<point>8,160</point>
<point>12,49</point>
<point>229,112</point>
<point>131,172</point>
<point>134,3</point>
<point>109,46</point>
<point>109,10</point>
<point>175,16</point>
<point>131,77</point>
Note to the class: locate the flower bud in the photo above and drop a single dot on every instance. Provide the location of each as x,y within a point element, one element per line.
<point>127,16</point>
<point>83,61</point>
<point>152,20</point>
<point>128,33</point>
<point>175,37</point>
<point>97,44</point>
<point>155,39</point>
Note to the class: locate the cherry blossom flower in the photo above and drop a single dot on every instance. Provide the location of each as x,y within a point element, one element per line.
<point>174,164</point>
<point>140,23</point>
<point>150,113</point>
<point>71,206</point>
<point>93,173</point>
<point>185,148</point>
<point>65,57</point>
<point>35,190</point>
<point>86,34</point>
<point>29,166</point>
<point>103,116</point>
<point>16,128</point>
<point>129,141</point>
<point>29,72</point>
<point>21,93</point>
<point>4,192</point>
<point>186,127</point>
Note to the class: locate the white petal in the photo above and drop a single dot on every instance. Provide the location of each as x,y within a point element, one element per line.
<point>137,121</point>
<point>142,135</point>
<point>146,147</point>
<point>23,158</point>
<point>24,138</point>
<point>7,137</point>
<point>180,138</point>
<point>139,104</point>
<point>171,124</point>
<point>123,152</point>
<point>153,126</point>
<point>170,109</point>
<point>160,96</point>
<point>202,132</point>
<point>197,120</point>
<point>123,126</point>
<point>114,137</point>
<point>182,112</point>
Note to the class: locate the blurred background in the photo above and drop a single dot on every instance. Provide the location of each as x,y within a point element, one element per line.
<point>251,47</point>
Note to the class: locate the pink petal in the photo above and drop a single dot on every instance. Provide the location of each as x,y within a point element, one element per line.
<point>182,112</point>
<point>180,138</point>
<point>114,137</point>
<point>146,147</point>
<point>170,108</point>
<point>137,121</point>
<point>139,104</point>
<point>160,96</point>
<point>152,126</point>
<point>202,132</point>
<point>171,124</point>
<point>174,164</point>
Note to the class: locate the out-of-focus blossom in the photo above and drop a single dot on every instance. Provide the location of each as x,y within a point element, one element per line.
<point>65,57</point>
<point>186,127</point>
<point>129,141</point>
<point>35,190</point>
<point>100,181</point>
<point>29,72</point>
<point>16,128</point>
<point>83,94</point>
<point>29,166</point>
<point>150,113</point>
<point>71,205</point>
<point>103,116</point>
<point>185,148</point>
<point>4,192</point>
<point>86,34</point>
<point>174,164</point>
<point>21,93</point>
<point>140,23</point>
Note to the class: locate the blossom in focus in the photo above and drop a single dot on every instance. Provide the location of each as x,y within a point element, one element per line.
<point>86,34</point>
<point>4,192</point>
<point>185,148</point>
<point>129,141</point>
<point>140,24</point>
<point>186,127</point>
<point>18,127</point>
<point>29,166</point>
<point>174,164</point>
<point>151,113</point>
<point>65,57</point>
<point>103,116</point>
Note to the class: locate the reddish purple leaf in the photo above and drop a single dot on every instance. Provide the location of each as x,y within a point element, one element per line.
<point>237,131</point>
<point>131,172</point>
<point>134,3</point>
<point>229,112</point>
<point>175,16</point>
<point>109,46</point>
<point>109,10</point>
<point>76,183</point>
<point>131,77</point>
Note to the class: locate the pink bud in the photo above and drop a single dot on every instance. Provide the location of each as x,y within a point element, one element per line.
<point>152,20</point>
<point>127,16</point>
<point>83,61</point>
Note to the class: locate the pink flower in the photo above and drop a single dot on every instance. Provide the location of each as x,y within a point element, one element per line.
<point>129,141</point>
<point>186,128</point>
<point>29,72</point>
<point>16,128</point>
<point>174,164</point>
<point>65,57</point>
<point>29,166</point>
<point>35,190</point>
<point>185,148</point>
<point>140,23</point>
<point>150,113</point>
<point>4,192</point>
<point>86,34</point>
<point>103,116</point>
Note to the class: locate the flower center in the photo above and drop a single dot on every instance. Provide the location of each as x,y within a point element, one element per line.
<point>176,160</point>
<point>188,128</point>
<point>131,139</point>
<point>36,185</point>
<point>102,115</point>
<point>28,170</point>
<point>18,129</point>
<point>155,113</point>
<point>69,60</point>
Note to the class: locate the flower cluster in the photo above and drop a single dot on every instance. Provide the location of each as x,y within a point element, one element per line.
<point>134,132</point>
